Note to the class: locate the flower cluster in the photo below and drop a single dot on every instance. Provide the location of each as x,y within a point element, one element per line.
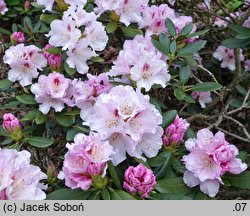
<point>84,94</point>
<point>154,19</point>
<point>210,157</point>
<point>80,46</point>
<point>24,62</point>
<point>54,60</point>
<point>145,70</point>
<point>139,180</point>
<point>175,132</point>
<point>3,8</point>
<point>203,98</point>
<point>86,159</point>
<point>51,91</point>
<point>19,180</point>
<point>129,10</point>
<point>226,55</point>
<point>129,122</point>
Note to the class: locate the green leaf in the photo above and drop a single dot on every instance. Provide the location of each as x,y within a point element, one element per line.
<point>40,142</point>
<point>198,33</point>
<point>69,194</point>
<point>241,30</point>
<point>114,175</point>
<point>168,118</point>
<point>164,41</point>
<point>191,48</point>
<point>30,115</point>
<point>179,94</point>
<point>54,50</point>
<point>71,133</point>
<point>5,31</point>
<point>155,102</point>
<point>37,27</point>
<point>171,27</point>
<point>95,195</point>
<point>26,99</point>
<point>97,59</point>
<point>173,46</point>
<point>27,23</point>
<point>69,70</point>
<point>172,186</point>
<point>81,129</point>
<point>159,46</point>
<point>6,141</point>
<point>206,86</point>
<point>111,27</point>
<point>48,18</point>
<point>167,196</point>
<point>41,118</point>
<point>130,32</point>
<point>189,134</point>
<point>187,29</point>
<point>65,120</point>
<point>3,132</point>
<point>164,168</point>
<point>240,180</point>
<point>120,195</point>
<point>202,196</point>
<point>235,43</point>
<point>156,161</point>
<point>242,155</point>
<point>105,194</point>
<point>14,27</point>
<point>178,166</point>
<point>185,72</point>
<point>10,105</point>
<point>5,83</point>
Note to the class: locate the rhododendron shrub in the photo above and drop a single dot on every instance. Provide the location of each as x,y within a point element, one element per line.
<point>124,99</point>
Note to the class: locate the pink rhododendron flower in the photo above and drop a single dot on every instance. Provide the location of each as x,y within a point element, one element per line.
<point>210,157</point>
<point>220,22</point>
<point>128,10</point>
<point>139,180</point>
<point>86,158</point>
<point>64,33</point>
<point>226,55</point>
<point>95,33</point>
<point>19,180</point>
<point>84,94</point>
<point>79,54</point>
<point>3,8</point>
<point>48,4</point>
<point>206,5</point>
<point>203,98</point>
<point>50,91</point>
<point>145,70</point>
<point>247,23</point>
<point>11,123</point>
<point>17,37</point>
<point>247,65</point>
<point>76,2</point>
<point>54,60</point>
<point>124,117</point>
<point>175,132</point>
<point>24,62</point>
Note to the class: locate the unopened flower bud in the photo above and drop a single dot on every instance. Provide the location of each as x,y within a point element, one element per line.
<point>17,38</point>
<point>12,126</point>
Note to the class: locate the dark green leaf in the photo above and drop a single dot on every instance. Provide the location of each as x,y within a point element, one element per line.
<point>240,181</point>
<point>5,31</point>
<point>69,194</point>
<point>65,120</point>
<point>71,133</point>
<point>179,94</point>
<point>30,115</point>
<point>69,70</point>
<point>178,166</point>
<point>198,33</point>
<point>6,141</point>
<point>111,27</point>
<point>168,118</point>
<point>27,23</point>
<point>173,185</point>
<point>10,105</point>
<point>191,48</point>
<point>164,41</point>
<point>105,194</point>
<point>242,155</point>
<point>26,99</point>
<point>206,86</point>
<point>159,47</point>
<point>189,134</point>
<point>5,83</point>
<point>236,43</point>
<point>185,72</point>
<point>164,168</point>
<point>173,46</point>
<point>114,175</point>
<point>187,29</point>
<point>3,132</point>
<point>81,129</point>
<point>171,27</point>
<point>41,118</point>
<point>202,196</point>
<point>130,32</point>
<point>120,195</point>
<point>54,50</point>
<point>48,18</point>
<point>40,142</point>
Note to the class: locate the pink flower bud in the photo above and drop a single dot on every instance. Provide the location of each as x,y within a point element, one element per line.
<point>52,173</point>
<point>54,60</point>
<point>17,37</point>
<point>139,180</point>
<point>11,123</point>
<point>175,132</point>
<point>27,5</point>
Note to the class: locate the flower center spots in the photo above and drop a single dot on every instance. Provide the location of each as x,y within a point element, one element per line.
<point>209,161</point>
<point>56,81</point>
<point>146,71</point>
